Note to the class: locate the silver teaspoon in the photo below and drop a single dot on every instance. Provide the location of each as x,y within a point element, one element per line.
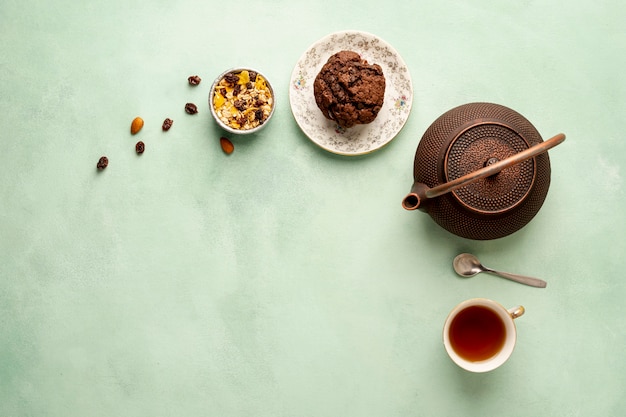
<point>467,265</point>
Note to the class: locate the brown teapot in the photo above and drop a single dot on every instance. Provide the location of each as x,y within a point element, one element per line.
<point>481,171</point>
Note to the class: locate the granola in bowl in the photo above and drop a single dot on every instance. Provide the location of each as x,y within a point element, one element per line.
<point>241,100</point>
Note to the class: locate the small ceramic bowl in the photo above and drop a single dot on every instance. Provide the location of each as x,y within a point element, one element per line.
<point>242,101</point>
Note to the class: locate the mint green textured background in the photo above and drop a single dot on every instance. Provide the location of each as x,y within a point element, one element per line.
<point>283,280</point>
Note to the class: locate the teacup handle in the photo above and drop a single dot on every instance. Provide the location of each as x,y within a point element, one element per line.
<point>516,312</point>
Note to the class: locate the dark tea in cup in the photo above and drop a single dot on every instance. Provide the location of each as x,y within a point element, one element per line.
<point>479,334</point>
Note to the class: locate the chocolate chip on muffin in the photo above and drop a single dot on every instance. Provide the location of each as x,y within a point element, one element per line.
<point>348,90</point>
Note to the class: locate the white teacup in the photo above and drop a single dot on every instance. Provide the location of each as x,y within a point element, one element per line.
<point>479,334</point>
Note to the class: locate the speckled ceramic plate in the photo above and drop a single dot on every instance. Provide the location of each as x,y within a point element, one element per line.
<point>360,139</point>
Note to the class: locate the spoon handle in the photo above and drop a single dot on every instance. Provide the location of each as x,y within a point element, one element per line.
<point>522,279</point>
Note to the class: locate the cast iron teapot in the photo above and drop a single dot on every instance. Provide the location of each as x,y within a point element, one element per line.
<point>481,171</point>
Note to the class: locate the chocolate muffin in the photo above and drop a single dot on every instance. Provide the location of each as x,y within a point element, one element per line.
<point>348,90</point>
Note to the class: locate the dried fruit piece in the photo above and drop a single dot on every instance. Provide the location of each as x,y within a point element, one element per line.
<point>136,125</point>
<point>194,80</point>
<point>231,78</point>
<point>140,147</point>
<point>103,162</point>
<point>191,108</point>
<point>240,105</point>
<point>167,123</point>
<point>219,99</point>
<point>227,145</point>
<point>244,77</point>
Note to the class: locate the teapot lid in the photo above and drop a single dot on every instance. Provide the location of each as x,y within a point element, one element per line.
<point>481,144</point>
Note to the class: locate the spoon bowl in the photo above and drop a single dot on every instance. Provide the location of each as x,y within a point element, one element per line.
<point>467,265</point>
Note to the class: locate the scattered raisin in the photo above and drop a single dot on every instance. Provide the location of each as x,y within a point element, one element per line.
<point>258,114</point>
<point>223,92</point>
<point>252,75</point>
<point>194,80</point>
<point>191,108</point>
<point>249,86</point>
<point>236,90</point>
<point>231,78</point>
<point>167,123</point>
<point>103,162</point>
<point>140,147</point>
<point>227,145</point>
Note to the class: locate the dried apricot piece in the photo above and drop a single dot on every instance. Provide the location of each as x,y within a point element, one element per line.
<point>244,77</point>
<point>219,100</point>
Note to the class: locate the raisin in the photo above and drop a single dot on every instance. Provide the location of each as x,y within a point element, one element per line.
<point>194,80</point>
<point>223,92</point>
<point>167,123</point>
<point>231,78</point>
<point>240,105</point>
<point>140,147</point>
<point>236,90</point>
<point>252,75</point>
<point>258,114</point>
<point>249,86</point>
<point>191,108</point>
<point>103,162</point>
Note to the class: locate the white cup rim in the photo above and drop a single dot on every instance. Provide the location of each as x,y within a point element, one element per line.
<point>509,344</point>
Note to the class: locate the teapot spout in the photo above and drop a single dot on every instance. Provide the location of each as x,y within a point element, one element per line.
<point>416,198</point>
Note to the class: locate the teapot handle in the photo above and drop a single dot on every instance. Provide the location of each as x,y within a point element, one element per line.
<point>421,194</point>
<point>496,167</point>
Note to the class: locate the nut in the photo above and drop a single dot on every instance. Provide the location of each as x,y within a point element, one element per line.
<point>227,145</point>
<point>136,125</point>
<point>242,100</point>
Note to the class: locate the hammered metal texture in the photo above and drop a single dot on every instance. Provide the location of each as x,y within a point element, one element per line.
<point>476,217</point>
<point>473,150</point>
